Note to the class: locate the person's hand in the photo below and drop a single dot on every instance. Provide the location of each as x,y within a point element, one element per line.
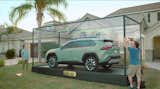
<point>126,41</point>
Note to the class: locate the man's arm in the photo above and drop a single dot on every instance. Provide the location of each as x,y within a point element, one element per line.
<point>126,42</point>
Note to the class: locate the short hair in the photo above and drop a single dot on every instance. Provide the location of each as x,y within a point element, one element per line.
<point>137,44</point>
<point>131,39</point>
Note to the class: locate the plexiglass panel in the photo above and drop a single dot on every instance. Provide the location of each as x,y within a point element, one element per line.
<point>111,29</point>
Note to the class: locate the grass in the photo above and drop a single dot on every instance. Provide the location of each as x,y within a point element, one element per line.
<point>1,62</point>
<point>30,80</point>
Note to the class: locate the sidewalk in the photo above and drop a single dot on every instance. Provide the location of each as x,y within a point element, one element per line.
<point>11,62</point>
<point>15,61</point>
<point>153,65</point>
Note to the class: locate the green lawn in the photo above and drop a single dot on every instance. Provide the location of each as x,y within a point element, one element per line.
<point>30,80</point>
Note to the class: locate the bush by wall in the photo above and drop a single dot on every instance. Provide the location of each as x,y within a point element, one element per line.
<point>10,54</point>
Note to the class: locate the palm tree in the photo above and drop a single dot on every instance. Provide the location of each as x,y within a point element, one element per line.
<point>18,13</point>
<point>40,6</point>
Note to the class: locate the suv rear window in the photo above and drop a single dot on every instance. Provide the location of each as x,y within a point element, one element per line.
<point>111,43</point>
<point>108,42</point>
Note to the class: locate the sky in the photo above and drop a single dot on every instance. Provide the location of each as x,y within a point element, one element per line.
<point>75,10</point>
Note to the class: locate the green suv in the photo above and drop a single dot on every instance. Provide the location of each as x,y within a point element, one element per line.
<point>87,52</point>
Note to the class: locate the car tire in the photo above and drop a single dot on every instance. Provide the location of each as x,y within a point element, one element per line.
<point>52,61</point>
<point>91,63</point>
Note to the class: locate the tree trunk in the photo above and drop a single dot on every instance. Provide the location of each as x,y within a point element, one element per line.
<point>39,22</point>
<point>39,18</point>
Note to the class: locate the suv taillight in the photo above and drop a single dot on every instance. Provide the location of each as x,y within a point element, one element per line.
<point>106,47</point>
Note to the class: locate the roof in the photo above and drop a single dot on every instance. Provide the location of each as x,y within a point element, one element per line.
<point>51,23</point>
<point>135,9</point>
<point>87,16</point>
<point>19,34</point>
<point>22,35</point>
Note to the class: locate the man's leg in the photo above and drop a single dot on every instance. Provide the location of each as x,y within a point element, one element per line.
<point>138,74</point>
<point>139,84</point>
<point>26,64</point>
<point>131,74</point>
<point>130,78</point>
<point>23,64</point>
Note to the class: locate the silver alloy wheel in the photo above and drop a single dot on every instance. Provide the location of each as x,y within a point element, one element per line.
<point>52,62</point>
<point>90,63</point>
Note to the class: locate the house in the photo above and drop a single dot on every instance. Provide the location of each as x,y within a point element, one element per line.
<point>15,40</point>
<point>76,29</point>
<point>149,16</point>
<point>67,28</point>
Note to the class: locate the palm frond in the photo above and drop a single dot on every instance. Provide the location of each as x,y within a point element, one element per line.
<point>56,14</point>
<point>56,2</point>
<point>12,29</point>
<point>19,12</point>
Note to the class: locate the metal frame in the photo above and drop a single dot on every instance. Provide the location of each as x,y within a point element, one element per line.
<point>33,43</point>
<point>124,35</point>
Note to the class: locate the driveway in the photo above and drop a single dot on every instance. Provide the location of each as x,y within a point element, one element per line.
<point>153,65</point>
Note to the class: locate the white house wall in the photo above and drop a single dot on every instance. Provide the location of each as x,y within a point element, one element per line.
<point>148,42</point>
<point>153,18</point>
<point>3,47</point>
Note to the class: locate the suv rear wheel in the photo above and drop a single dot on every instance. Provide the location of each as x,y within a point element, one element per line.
<point>52,61</point>
<point>91,63</point>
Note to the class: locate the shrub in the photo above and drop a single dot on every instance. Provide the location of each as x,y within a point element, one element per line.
<point>10,54</point>
<point>20,61</point>
<point>1,62</point>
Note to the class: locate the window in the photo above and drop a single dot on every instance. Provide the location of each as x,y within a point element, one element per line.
<point>98,35</point>
<point>77,44</point>
<point>87,43</point>
<point>158,16</point>
<point>87,18</point>
<point>71,45</point>
<point>83,34</point>
<point>149,17</point>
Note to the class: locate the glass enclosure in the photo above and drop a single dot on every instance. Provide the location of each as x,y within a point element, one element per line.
<point>107,28</point>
